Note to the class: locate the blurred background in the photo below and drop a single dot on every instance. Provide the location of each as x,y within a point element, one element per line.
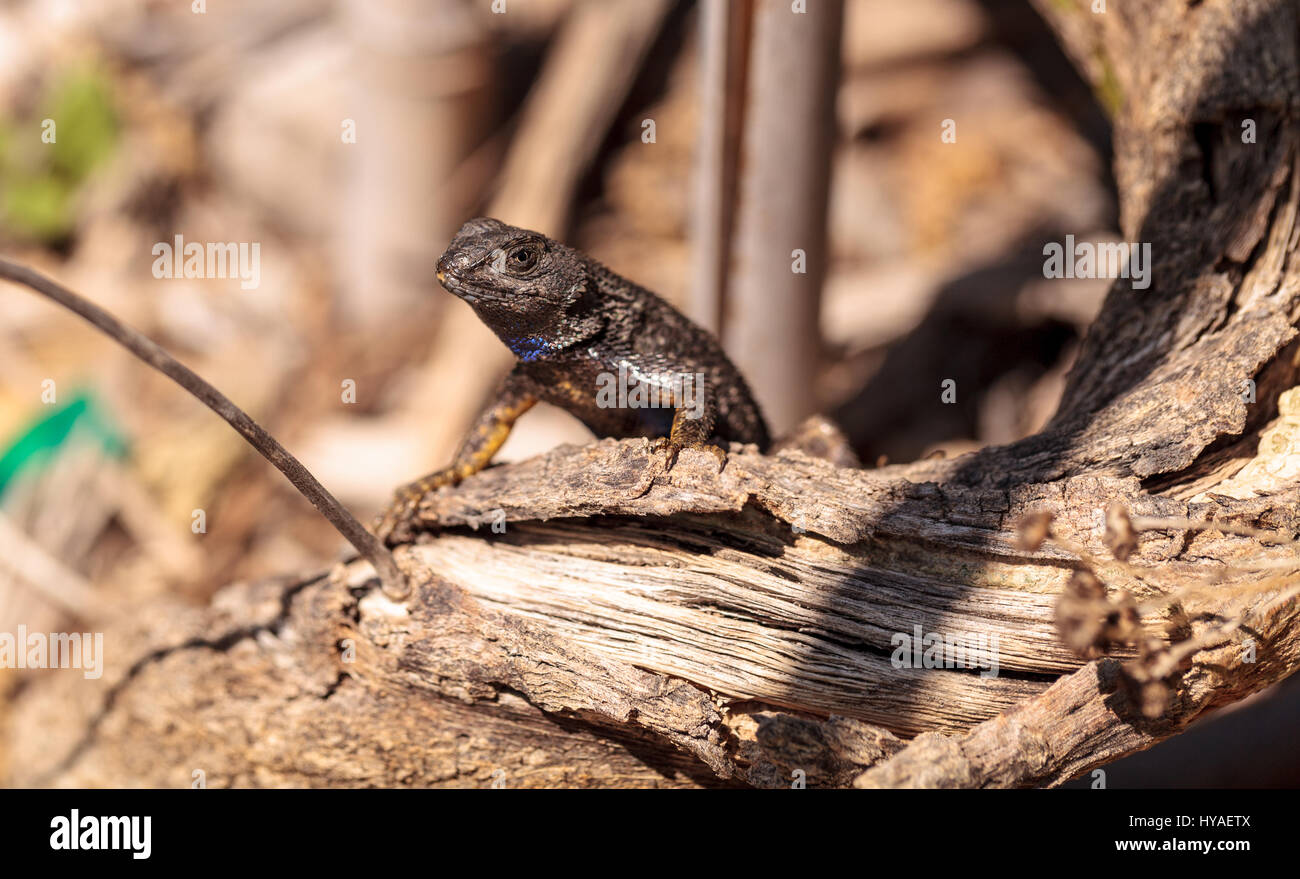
<point>944,141</point>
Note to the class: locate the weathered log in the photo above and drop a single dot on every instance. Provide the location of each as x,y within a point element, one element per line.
<point>668,610</point>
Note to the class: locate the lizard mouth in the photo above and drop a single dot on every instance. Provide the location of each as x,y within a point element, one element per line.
<point>452,283</point>
<point>458,288</point>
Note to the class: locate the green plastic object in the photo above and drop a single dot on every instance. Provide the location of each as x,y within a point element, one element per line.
<point>38,445</point>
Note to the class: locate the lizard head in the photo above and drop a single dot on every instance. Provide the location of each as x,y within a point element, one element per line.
<point>531,291</point>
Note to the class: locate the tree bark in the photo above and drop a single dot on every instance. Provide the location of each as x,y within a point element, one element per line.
<point>740,626</point>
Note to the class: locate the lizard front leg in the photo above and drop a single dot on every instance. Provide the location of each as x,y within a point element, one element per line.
<point>694,417</point>
<point>514,397</point>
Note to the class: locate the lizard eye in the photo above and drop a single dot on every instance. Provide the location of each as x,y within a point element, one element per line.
<point>521,259</point>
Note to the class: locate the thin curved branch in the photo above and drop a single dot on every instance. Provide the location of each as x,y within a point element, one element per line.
<point>252,432</point>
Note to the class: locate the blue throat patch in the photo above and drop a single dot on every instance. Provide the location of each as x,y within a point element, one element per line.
<point>528,349</point>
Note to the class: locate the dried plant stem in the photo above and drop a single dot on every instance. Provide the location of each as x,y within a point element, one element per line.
<point>1224,631</point>
<point>394,583</point>
<point>1154,524</point>
<point>1179,594</point>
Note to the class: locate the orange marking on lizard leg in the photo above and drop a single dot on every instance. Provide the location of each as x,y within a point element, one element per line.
<point>475,453</point>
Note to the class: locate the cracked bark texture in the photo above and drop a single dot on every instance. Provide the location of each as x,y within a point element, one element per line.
<point>706,627</point>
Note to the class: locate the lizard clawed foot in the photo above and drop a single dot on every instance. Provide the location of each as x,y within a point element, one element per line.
<point>668,448</point>
<point>671,448</point>
<point>393,526</point>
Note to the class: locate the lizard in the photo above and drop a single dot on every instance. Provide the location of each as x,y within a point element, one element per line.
<point>578,331</point>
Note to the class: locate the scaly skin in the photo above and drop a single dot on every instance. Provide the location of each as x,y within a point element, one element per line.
<point>572,324</point>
